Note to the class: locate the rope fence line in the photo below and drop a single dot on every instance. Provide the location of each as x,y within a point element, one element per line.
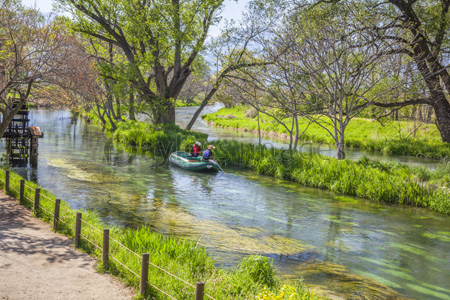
<point>124,246</point>
<point>124,266</point>
<point>92,226</point>
<point>210,297</point>
<point>14,177</point>
<point>153,286</point>
<point>91,234</point>
<point>46,197</point>
<point>31,188</point>
<point>87,236</point>
<point>94,244</point>
<point>174,276</point>
<point>29,200</point>
<point>41,207</point>
<point>60,220</point>
<point>14,189</point>
<point>67,210</point>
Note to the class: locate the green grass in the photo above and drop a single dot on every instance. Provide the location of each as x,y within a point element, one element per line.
<point>182,104</point>
<point>389,182</point>
<point>395,137</point>
<point>160,139</point>
<point>254,277</point>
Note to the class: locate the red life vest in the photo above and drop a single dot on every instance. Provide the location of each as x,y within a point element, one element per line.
<point>196,149</point>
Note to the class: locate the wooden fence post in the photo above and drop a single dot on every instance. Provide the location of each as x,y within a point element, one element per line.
<point>56,215</point>
<point>7,182</point>
<point>77,230</point>
<point>144,273</point>
<point>37,196</point>
<point>199,290</point>
<point>105,247</point>
<point>22,191</point>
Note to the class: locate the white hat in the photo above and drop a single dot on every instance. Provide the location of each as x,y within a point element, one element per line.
<point>198,143</point>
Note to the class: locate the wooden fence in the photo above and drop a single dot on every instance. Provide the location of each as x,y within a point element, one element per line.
<point>104,248</point>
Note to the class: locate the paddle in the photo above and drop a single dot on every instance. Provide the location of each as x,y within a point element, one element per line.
<point>220,168</point>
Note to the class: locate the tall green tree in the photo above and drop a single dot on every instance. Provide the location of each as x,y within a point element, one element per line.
<point>161,41</point>
<point>420,30</point>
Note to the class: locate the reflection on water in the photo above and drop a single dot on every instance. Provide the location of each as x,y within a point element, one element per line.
<point>334,242</point>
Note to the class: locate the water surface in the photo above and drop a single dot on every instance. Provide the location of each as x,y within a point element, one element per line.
<point>184,115</point>
<point>347,246</point>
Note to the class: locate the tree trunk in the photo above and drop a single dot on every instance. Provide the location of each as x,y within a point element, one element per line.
<point>111,120</point>
<point>131,113</point>
<point>118,113</point>
<point>340,145</point>
<point>205,101</point>
<point>442,112</point>
<point>99,114</point>
<point>259,131</point>
<point>291,138</point>
<point>166,114</point>
<point>429,113</point>
<point>296,132</point>
<point>340,150</point>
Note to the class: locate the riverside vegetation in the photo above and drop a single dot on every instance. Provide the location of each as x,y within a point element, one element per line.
<point>390,182</point>
<point>253,278</point>
<point>377,181</point>
<point>390,137</point>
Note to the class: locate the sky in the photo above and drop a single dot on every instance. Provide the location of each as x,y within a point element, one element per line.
<point>233,10</point>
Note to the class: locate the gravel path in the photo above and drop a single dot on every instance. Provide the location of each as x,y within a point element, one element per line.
<point>36,263</point>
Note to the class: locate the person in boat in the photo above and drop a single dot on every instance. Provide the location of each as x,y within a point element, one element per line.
<point>196,149</point>
<point>207,154</point>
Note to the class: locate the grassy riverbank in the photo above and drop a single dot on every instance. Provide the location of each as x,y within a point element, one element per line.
<point>388,182</point>
<point>401,138</point>
<point>254,277</point>
<point>183,104</point>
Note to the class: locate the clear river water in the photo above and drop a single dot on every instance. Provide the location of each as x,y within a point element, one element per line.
<point>342,246</point>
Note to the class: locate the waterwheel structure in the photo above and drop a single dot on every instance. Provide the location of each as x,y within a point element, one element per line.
<point>21,139</point>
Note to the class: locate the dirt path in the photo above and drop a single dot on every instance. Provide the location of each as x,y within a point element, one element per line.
<point>36,263</point>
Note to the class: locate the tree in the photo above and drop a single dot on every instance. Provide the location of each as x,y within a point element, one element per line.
<point>235,49</point>
<point>320,74</point>
<point>84,79</point>
<point>28,44</point>
<point>419,29</point>
<point>160,40</point>
<point>197,83</point>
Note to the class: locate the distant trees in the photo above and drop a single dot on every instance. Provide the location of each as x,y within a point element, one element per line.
<point>197,84</point>
<point>29,43</point>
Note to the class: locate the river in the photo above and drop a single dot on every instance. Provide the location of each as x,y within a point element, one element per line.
<point>184,115</point>
<point>335,243</point>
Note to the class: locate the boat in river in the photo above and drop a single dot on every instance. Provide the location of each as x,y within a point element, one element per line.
<point>184,161</point>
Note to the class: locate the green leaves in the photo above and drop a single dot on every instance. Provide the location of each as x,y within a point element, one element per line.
<point>155,44</point>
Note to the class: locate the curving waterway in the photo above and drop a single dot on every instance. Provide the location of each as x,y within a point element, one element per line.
<point>184,115</point>
<point>342,246</point>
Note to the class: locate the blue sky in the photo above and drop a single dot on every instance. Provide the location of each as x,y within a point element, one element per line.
<point>232,10</point>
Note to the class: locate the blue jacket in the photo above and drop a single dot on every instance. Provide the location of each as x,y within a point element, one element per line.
<point>207,154</point>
